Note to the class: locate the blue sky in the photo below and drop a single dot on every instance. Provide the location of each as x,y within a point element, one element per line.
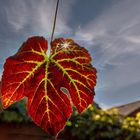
<point>109,29</point>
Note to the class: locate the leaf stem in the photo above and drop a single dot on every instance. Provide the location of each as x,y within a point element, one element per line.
<point>54,23</point>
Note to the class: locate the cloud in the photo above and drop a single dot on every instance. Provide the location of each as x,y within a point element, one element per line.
<point>23,18</point>
<point>134,39</point>
<point>37,15</point>
<point>113,38</point>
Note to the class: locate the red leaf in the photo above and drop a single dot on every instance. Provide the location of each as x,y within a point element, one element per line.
<point>42,79</point>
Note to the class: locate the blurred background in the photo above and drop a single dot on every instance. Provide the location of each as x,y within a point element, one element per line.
<point>110,30</point>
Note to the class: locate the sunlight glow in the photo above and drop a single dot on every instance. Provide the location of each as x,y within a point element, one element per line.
<point>65,45</point>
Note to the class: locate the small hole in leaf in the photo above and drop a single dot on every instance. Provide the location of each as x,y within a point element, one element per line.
<point>65,90</point>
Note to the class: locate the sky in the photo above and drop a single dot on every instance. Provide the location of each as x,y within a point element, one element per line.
<point>109,29</point>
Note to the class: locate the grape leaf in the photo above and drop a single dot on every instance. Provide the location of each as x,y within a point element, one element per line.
<point>51,83</point>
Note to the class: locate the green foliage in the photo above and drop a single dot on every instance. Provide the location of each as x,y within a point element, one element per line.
<point>96,124</point>
<point>92,124</point>
<point>15,113</point>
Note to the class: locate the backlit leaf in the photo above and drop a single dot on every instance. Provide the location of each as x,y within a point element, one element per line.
<point>50,83</point>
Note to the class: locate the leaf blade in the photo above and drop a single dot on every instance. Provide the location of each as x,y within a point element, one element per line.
<point>40,78</point>
<point>18,70</point>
